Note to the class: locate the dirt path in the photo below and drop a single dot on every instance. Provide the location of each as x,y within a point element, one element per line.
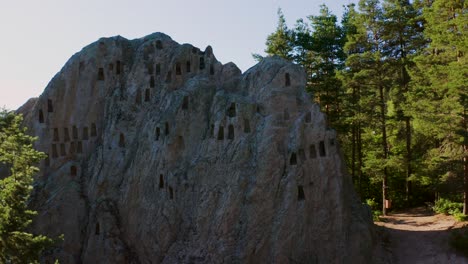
<point>419,236</point>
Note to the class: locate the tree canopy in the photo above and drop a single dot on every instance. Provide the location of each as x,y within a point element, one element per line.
<point>391,78</point>
<point>17,159</point>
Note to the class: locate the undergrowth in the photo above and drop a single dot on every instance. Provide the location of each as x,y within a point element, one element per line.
<point>375,207</point>
<point>445,206</point>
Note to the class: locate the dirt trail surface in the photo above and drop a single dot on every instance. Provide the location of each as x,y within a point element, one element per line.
<point>419,236</point>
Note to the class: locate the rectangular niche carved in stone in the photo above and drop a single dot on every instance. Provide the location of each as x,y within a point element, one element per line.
<point>150,68</point>
<point>202,63</point>
<point>79,147</point>
<point>54,151</point>
<point>97,229</point>
<point>41,116</point>
<point>159,44</point>
<point>85,133</point>
<point>212,131</point>
<point>101,74</point>
<point>157,133</point>
<point>66,135</point>
<point>187,66</point>
<point>75,132</point>
<point>121,140</point>
<point>231,111</point>
<point>322,149</point>
<point>171,193</point>
<point>286,114</point>
<point>287,81</point>
<point>312,152</point>
<point>180,143</point>
<point>138,97</point>
<point>63,151</point>
<point>212,71</point>
<point>81,67</point>
<point>293,159</point>
<point>93,130</point>
<point>178,69</point>
<point>185,103</point>
<point>161,181</point>
<point>221,133</point>
<point>169,77</point>
<point>246,126</point>
<point>50,106</point>
<point>56,135</point>
<point>231,132</point>
<point>158,69</point>
<point>73,170</point>
<point>300,193</point>
<point>147,95</point>
<point>152,81</point>
<point>72,148</point>
<point>118,67</point>
<point>166,129</point>
<point>308,117</point>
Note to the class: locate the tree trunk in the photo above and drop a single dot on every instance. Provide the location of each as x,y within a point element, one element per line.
<point>408,160</point>
<point>359,154</point>
<point>465,181</point>
<point>465,164</point>
<point>384,148</point>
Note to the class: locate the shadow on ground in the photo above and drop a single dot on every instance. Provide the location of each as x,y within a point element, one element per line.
<point>418,235</point>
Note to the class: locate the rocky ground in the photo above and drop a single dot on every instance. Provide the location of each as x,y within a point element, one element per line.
<point>419,236</point>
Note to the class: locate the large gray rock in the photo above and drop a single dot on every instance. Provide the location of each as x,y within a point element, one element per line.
<point>158,153</point>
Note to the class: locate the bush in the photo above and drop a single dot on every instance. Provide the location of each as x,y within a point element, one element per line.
<point>376,216</point>
<point>375,206</point>
<point>372,204</point>
<point>445,206</point>
<point>460,217</point>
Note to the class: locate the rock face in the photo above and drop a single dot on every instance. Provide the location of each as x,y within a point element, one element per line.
<point>158,153</point>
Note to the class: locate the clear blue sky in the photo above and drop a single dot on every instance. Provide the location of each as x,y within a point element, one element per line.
<point>38,37</point>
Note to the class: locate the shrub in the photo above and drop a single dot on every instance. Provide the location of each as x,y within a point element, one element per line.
<point>375,206</point>
<point>376,216</point>
<point>460,217</point>
<point>445,206</point>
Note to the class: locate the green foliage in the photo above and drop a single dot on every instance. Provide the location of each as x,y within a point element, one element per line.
<point>18,155</point>
<point>392,81</point>
<point>445,206</point>
<point>375,207</point>
<point>279,42</point>
<point>460,217</point>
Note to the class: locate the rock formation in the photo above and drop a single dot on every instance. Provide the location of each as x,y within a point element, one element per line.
<point>158,153</point>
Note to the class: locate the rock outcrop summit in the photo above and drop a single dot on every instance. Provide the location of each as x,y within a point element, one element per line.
<point>158,153</point>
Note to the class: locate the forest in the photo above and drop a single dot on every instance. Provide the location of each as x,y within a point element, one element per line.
<point>392,78</point>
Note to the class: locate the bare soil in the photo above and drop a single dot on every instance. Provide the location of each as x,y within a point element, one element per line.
<point>419,236</point>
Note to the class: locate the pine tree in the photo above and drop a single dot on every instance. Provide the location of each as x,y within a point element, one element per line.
<point>327,41</point>
<point>402,33</point>
<point>440,98</point>
<point>367,74</point>
<point>279,43</point>
<point>18,155</point>
<point>352,112</point>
